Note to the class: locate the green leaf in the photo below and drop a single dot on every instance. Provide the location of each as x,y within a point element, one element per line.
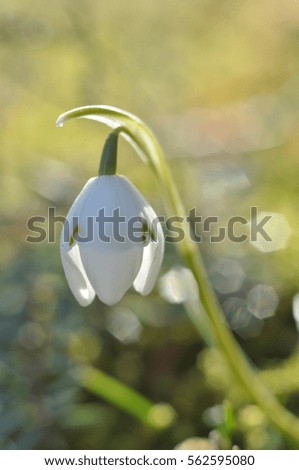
<point>157,416</point>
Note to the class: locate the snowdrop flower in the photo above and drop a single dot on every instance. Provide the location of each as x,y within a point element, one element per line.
<point>95,266</point>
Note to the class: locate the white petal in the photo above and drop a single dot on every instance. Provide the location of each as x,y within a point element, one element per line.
<point>76,276</point>
<point>152,255</point>
<point>111,266</point>
<point>110,270</point>
<point>153,252</point>
<point>70,254</point>
<point>75,209</point>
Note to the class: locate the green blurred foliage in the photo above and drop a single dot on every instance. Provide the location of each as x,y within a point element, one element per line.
<point>218,83</point>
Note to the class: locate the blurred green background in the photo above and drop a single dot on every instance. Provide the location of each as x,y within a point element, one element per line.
<point>218,83</point>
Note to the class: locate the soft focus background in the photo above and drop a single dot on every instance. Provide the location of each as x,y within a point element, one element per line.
<point>218,83</point>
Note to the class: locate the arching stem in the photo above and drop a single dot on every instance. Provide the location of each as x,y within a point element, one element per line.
<point>143,140</point>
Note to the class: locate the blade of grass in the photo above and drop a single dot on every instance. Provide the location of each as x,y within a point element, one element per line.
<point>158,416</point>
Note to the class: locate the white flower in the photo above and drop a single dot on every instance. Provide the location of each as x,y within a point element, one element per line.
<point>109,268</point>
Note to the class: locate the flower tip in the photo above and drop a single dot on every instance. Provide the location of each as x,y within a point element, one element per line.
<point>110,300</point>
<point>59,122</point>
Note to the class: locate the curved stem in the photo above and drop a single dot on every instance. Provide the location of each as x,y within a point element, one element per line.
<point>284,420</point>
<point>143,140</point>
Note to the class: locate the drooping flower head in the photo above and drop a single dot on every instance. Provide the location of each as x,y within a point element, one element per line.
<point>112,238</point>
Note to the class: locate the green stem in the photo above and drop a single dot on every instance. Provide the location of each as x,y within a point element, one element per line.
<point>158,416</point>
<point>108,162</point>
<point>143,140</point>
<point>247,377</point>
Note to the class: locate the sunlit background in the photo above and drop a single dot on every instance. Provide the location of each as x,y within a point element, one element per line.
<point>218,83</point>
